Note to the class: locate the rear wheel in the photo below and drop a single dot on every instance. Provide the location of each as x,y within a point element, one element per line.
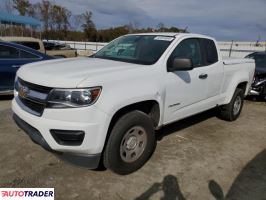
<point>231,111</point>
<point>131,143</point>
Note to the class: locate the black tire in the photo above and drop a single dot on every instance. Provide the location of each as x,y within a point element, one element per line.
<point>112,157</point>
<point>226,112</point>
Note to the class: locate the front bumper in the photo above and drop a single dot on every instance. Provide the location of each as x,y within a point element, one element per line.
<point>258,87</point>
<point>258,90</point>
<point>91,120</point>
<point>89,161</point>
<point>254,92</point>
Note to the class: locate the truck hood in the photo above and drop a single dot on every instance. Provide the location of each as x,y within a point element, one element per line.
<point>69,73</point>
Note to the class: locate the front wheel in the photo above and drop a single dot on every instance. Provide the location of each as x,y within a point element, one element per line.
<point>231,111</point>
<point>131,143</point>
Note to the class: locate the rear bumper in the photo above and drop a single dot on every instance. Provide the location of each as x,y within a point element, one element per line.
<point>88,161</point>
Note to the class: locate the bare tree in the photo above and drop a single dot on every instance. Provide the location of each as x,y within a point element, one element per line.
<point>56,17</point>
<point>78,20</point>
<point>132,26</point>
<point>59,19</point>
<point>161,27</point>
<point>89,26</point>
<point>44,12</point>
<point>66,17</point>
<point>9,6</point>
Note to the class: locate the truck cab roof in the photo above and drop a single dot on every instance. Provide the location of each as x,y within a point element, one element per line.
<point>175,34</point>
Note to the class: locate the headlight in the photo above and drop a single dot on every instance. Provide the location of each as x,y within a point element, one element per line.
<point>72,98</point>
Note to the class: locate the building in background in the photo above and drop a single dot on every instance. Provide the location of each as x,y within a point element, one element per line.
<point>16,25</point>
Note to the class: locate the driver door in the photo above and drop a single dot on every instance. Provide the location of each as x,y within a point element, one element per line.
<point>185,90</point>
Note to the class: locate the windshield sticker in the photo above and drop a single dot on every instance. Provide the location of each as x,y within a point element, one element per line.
<point>164,38</point>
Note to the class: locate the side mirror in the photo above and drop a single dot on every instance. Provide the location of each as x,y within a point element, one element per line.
<point>179,64</point>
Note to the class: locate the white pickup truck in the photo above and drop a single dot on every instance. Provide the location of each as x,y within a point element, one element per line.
<point>107,107</point>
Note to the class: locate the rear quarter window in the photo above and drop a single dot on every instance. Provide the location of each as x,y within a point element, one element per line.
<point>33,45</point>
<point>7,52</point>
<point>27,55</point>
<point>211,55</point>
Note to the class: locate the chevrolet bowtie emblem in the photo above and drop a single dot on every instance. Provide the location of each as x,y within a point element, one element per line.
<point>23,91</point>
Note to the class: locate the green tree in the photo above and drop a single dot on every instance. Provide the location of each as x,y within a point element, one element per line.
<point>22,6</point>
<point>32,10</point>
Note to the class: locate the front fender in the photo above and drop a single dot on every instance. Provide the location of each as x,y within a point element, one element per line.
<point>117,96</point>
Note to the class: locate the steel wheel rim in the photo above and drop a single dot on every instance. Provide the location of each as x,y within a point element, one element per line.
<point>133,144</point>
<point>237,105</point>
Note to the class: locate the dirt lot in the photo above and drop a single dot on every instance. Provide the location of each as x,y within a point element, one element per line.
<point>199,158</point>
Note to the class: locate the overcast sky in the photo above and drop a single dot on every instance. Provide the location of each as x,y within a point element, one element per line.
<point>223,19</point>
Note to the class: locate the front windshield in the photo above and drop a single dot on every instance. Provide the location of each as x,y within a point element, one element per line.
<point>140,49</point>
<point>260,60</point>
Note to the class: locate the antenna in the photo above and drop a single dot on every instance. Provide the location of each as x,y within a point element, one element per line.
<point>257,43</point>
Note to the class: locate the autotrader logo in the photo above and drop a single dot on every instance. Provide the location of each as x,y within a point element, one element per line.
<point>27,193</point>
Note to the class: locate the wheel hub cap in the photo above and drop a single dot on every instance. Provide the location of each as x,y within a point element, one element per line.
<point>237,105</point>
<point>133,144</point>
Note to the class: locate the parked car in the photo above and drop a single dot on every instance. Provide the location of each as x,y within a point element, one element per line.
<point>108,106</point>
<point>12,57</point>
<point>55,46</point>
<point>39,46</point>
<point>258,87</point>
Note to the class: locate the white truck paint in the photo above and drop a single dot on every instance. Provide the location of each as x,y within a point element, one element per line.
<point>124,85</point>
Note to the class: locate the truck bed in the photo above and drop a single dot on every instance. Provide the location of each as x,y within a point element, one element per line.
<point>234,61</point>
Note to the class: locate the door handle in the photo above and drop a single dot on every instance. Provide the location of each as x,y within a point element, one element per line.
<point>15,66</point>
<point>203,76</point>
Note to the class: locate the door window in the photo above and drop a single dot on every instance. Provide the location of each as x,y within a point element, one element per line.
<point>189,48</point>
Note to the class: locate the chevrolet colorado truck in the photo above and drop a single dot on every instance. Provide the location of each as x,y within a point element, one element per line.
<point>106,108</point>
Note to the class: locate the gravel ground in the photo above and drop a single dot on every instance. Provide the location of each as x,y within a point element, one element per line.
<point>199,158</point>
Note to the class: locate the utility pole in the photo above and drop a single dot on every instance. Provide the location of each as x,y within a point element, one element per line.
<point>230,51</point>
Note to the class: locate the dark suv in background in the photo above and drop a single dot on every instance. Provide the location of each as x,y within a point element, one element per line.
<point>258,87</point>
